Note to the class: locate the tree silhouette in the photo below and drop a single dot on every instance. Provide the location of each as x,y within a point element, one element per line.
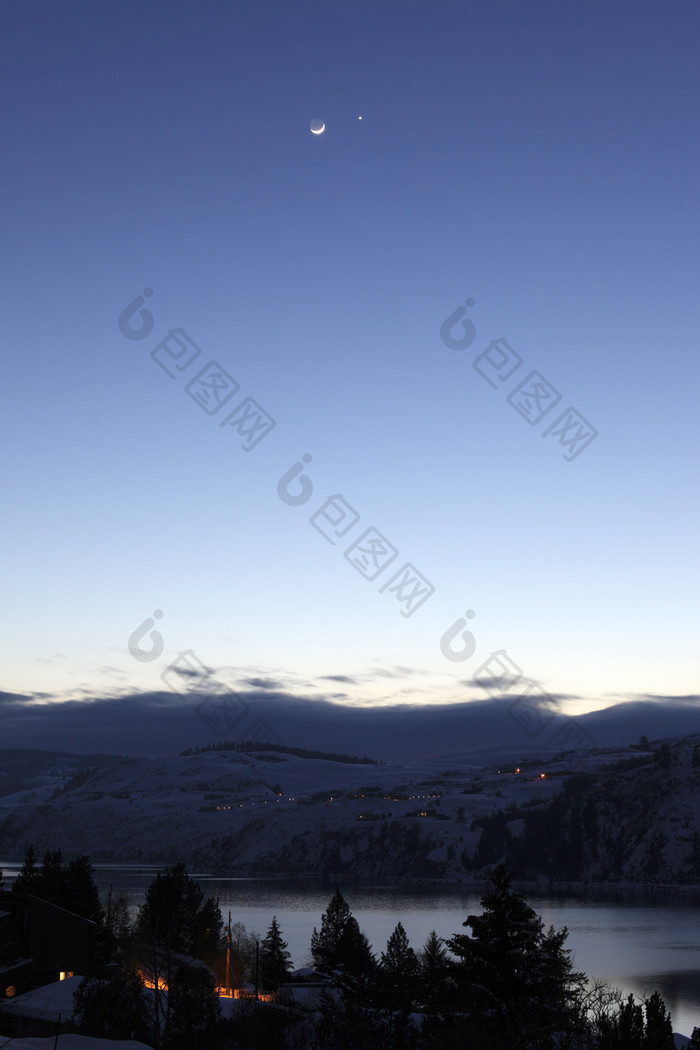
<point>111,1008</point>
<point>174,918</point>
<point>433,971</point>
<point>658,1034</point>
<point>274,957</point>
<point>396,986</point>
<point>68,885</point>
<point>325,946</point>
<point>511,975</point>
<point>340,943</point>
<point>398,972</point>
<point>194,1007</point>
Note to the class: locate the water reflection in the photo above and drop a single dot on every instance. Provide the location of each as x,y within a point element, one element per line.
<point>639,940</point>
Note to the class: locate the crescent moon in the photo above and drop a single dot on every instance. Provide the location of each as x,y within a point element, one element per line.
<point>317,127</point>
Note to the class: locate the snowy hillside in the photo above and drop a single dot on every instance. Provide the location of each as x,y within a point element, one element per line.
<point>237,813</point>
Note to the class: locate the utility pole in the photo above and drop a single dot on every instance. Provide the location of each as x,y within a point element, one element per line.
<point>257,961</point>
<point>228,958</point>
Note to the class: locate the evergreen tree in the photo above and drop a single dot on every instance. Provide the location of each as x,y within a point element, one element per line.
<point>340,943</point>
<point>630,1026</point>
<point>68,885</point>
<point>396,986</point>
<point>510,977</point>
<point>433,971</point>
<point>398,972</point>
<point>658,1033</point>
<point>355,951</point>
<point>274,957</point>
<point>325,946</point>
<point>28,874</point>
<point>80,892</point>
<point>176,916</point>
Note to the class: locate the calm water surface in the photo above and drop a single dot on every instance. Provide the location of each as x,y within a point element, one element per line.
<point>641,942</point>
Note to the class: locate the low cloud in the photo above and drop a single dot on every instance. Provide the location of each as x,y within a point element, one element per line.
<point>163,722</point>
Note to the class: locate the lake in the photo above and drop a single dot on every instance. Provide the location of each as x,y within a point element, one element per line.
<point>641,941</point>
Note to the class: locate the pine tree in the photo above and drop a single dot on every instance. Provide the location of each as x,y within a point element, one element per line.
<point>67,885</point>
<point>658,1034</point>
<point>340,943</point>
<point>274,957</point>
<point>398,972</point>
<point>80,893</point>
<point>493,962</point>
<point>355,951</point>
<point>28,874</point>
<point>512,978</point>
<point>325,946</point>
<point>433,972</point>
<point>630,1025</point>
<point>174,917</point>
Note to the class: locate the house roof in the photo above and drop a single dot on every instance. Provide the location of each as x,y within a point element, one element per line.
<point>306,974</point>
<point>44,1003</point>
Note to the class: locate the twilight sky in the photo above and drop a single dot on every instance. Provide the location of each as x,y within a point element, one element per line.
<point>534,460</point>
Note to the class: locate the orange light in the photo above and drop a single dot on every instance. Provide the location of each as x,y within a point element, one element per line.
<point>149,983</point>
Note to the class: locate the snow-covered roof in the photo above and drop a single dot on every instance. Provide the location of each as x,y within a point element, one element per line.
<point>307,973</point>
<point>44,1003</point>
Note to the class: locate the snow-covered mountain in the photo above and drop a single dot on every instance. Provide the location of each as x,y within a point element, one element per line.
<point>634,816</point>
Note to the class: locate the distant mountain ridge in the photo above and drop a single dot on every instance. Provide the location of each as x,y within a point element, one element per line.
<point>158,724</point>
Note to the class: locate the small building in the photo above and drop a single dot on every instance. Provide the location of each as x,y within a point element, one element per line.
<point>305,987</point>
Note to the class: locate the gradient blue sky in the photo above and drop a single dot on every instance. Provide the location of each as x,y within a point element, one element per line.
<point>540,158</point>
